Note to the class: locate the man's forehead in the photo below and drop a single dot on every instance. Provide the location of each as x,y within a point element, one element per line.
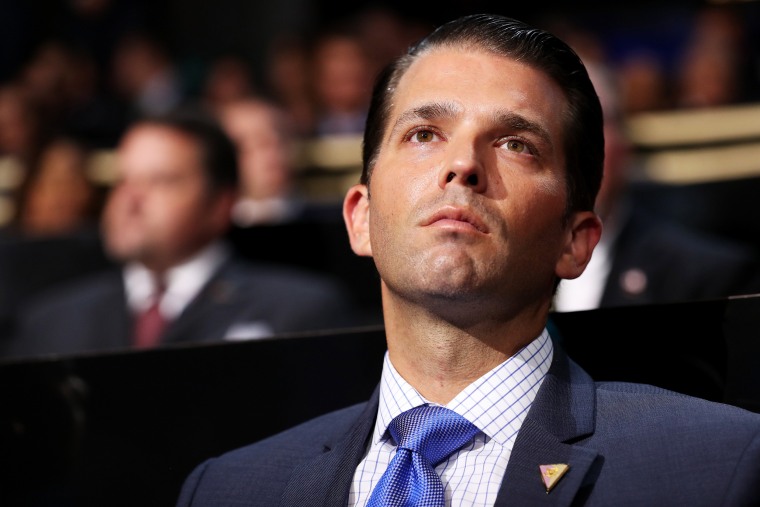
<point>445,67</point>
<point>449,81</point>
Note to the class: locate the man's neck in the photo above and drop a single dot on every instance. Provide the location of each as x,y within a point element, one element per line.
<point>440,358</point>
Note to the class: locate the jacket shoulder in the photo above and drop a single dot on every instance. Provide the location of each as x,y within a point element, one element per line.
<point>658,409</point>
<point>658,444</point>
<point>260,472</point>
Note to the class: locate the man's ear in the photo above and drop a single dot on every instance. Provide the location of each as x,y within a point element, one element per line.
<point>356,216</point>
<point>220,208</point>
<point>584,231</point>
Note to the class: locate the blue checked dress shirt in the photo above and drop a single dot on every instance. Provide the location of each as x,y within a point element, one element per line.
<point>496,403</point>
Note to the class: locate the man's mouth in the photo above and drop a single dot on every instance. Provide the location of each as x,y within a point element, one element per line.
<point>452,216</point>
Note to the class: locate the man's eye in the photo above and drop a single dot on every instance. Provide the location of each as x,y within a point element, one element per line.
<point>423,136</point>
<point>517,146</point>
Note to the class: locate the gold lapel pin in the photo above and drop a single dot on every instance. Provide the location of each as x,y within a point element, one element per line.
<point>551,474</point>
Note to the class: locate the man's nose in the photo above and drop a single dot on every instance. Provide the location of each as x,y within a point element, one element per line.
<point>464,166</point>
<point>130,195</point>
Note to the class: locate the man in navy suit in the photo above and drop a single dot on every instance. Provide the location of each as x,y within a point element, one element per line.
<point>483,156</point>
<point>164,225</point>
<point>643,258</point>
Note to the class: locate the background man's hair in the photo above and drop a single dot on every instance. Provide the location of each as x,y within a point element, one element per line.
<point>218,152</point>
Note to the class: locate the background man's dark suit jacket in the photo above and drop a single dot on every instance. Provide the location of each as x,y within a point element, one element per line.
<point>677,264</point>
<point>91,314</point>
<point>626,444</point>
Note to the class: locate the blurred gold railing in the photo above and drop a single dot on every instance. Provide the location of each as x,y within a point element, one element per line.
<point>672,147</point>
<point>697,146</point>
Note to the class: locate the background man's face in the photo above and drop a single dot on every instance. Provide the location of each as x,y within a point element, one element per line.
<point>160,212</point>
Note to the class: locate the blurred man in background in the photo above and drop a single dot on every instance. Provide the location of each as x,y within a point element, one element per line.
<point>266,146</point>
<point>643,258</point>
<point>178,282</point>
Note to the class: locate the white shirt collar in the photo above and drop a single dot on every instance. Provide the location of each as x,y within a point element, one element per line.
<point>496,403</point>
<point>183,282</point>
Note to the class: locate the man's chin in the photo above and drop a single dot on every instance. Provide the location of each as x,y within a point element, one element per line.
<point>127,253</point>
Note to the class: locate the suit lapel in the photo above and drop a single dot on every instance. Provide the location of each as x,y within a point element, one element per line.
<point>561,415</point>
<point>523,477</point>
<point>326,480</point>
<point>205,318</point>
<point>111,322</point>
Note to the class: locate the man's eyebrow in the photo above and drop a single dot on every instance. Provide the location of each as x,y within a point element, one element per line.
<point>517,122</point>
<point>509,119</point>
<point>427,111</point>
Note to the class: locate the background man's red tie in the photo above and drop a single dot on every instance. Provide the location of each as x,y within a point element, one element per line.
<point>150,324</point>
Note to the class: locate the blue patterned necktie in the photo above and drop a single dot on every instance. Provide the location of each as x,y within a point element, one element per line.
<point>425,436</point>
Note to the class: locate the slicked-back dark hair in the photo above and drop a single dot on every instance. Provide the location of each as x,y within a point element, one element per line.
<point>503,36</point>
<point>218,152</point>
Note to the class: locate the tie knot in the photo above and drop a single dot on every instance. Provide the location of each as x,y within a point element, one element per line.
<point>432,431</point>
<point>159,286</point>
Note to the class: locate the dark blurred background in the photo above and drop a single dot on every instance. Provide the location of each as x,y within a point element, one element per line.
<point>197,31</point>
<point>75,73</point>
<point>84,430</point>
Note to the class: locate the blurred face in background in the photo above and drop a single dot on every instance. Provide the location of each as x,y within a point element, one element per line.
<point>19,127</point>
<point>342,75</point>
<point>259,131</point>
<point>60,198</point>
<point>162,210</point>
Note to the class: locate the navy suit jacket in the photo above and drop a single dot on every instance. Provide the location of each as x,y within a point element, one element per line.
<point>256,299</point>
<point>672,263</point>
<point>626,445</point>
